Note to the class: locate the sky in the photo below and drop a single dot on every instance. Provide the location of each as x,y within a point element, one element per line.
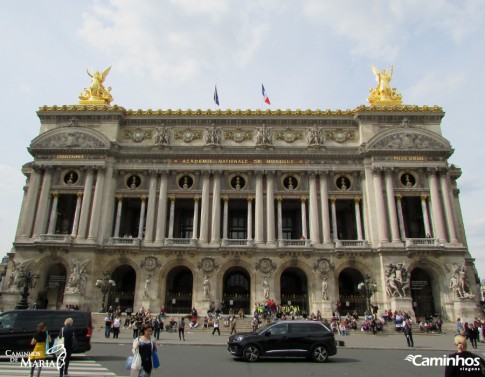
<point>310,54</point>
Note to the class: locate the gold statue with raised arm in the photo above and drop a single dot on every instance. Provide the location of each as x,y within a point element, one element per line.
<point>96,94</point>
<point>383,94</point>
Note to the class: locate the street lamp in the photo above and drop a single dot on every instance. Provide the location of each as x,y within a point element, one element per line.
<point>368,287</point>
<point>28,280</point>
<point>105,285</point>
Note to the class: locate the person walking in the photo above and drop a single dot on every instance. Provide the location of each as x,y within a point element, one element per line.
<point>473,335</point>
<point>68,333</point>
<point>107,325</point>
<point>144,345</point>
<point>156,328</point>
<point>216,326</point>
<point>408,332</point>
<point>233,325</point>
<point>182,329</point>
<point>37,356</point>
<point>116,327</point>
<point>465,362</point>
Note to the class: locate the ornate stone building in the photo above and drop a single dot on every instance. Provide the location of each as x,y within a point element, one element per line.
<point>181,208</point>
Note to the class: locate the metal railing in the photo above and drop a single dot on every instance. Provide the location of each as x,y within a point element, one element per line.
<point>419,242</point>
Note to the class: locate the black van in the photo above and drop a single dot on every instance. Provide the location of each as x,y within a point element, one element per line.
<point>17,328</point>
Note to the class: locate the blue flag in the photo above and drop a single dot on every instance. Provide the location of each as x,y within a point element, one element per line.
<point>216,97</point>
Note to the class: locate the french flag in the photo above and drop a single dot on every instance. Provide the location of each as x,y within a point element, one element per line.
<point>266,98</point>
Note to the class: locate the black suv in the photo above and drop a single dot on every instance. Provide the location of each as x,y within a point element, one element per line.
<point>285,338</point>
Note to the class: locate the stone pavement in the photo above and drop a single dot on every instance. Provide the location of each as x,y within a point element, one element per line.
<point>387,340</point>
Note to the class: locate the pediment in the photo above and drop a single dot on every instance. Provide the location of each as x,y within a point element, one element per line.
<point>409,139</point>
<point>73,138</point>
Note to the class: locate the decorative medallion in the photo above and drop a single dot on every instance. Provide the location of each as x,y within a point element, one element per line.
<point>207,264</point>
<point>188,135</point>
<point>265,265</point>
<point>137,135</point>
<point>323,265</point>
<point>238,135</point>
<point>150,263</point>
<point>340,135</point>
<point>288,135</point>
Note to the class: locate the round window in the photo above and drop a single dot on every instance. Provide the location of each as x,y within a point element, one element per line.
<point>186,182</point>
<point>290,183</point>
<point>343,183</point>
<point>408,180</point>
<point>70,178</point>
<point>133,182</point>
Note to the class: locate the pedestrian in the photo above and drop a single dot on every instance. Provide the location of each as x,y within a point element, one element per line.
<point>473,335</point>
<point>459,326</point>
<point>68,333</point>
<point>107,325</point>
<point>408,332</point>
<point>216,326</point>
<point>233,325</point>
<point>464,362</point>
<point>144,345</point>
<point>156,328</point>
<point>116,327</point>
<point>182,329</point>
<point>41,337</point>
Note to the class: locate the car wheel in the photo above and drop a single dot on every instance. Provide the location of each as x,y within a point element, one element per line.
<point>320,354</point>
<point>251,353</point>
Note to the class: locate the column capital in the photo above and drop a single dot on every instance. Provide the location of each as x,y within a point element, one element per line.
<point>323,173</point>
<point>303,199</point>
<point>196,198</point>
<point>225,199</point>
<point>55,194</point>
<point>279,199</point>
<point>398,198</point>
<point>119,197</point>
<point>250,199</point>
<point>376,170</point>
<point>79,194</point>
<point>388,170</point>
<point>172,198</point>
<point>431,171</point>
<point>357,200</point>
<point>153,172</point>
<point>269,173</point>
<point>333,199</point>
<point>143,198</point>
<point>424,198</point>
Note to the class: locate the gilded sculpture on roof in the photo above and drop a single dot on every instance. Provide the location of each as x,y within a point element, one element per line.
<point>383,94</point>
<point>96,94</point>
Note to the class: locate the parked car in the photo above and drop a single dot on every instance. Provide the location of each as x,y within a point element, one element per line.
<point>285,338</point>
<point>17,327</point>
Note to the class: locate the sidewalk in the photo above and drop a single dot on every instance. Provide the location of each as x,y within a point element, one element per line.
<point>387,340</point>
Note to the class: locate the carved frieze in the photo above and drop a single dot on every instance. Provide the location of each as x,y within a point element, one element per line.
<point>238,135</point>
<point>207,264</point>
<point>70,139</point>
<point>187,135</point>
<point>340,135</point>
<point>407,140</point>
<point>265,265</point>
<point>288,135</point>
<point>150,263</point>
<point>323,265</point>
<point>137,135</point>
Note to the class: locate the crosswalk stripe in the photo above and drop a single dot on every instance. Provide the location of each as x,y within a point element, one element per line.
<point>81,368</point>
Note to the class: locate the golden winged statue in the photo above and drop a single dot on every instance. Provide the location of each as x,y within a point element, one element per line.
<point>96,94</point>
<point>383,94</point>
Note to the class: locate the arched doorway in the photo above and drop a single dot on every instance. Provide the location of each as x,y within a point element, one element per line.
<point>422,292</point>
<point>236,289</point>
<point>51,295</point>
<point>350,297</point>
<point>123,294</point>
<point>294,288</point>
<point>178,298</point>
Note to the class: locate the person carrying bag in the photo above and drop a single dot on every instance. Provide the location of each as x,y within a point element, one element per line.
<point>145,356</point>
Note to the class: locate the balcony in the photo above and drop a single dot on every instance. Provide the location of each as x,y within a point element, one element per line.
<point>237,242</point>
<point>180,242</point>
<point>348,244</point>
<point>125,241</point>
<point>294,243</point>
<point>56,238</point>
<point>423,242</point>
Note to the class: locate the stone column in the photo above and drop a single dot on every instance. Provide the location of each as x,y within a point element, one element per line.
<point>334,219</point>
<point>30,204</point>
<point>195,221</point>
<point>391,205</point>
<point>279,200</point>
<point>152,193</point>
<point>216,210</point>
<point>204,212</point>
<point>171,217</point>
<point>304,229</point>
<point>118,216</point>
<point>53,216</point>
<point>270,234</point>
<point>141,223</point>
<point>225,218</point>
<point>259,215</point>
<point>41,215</point>
<point>97,202</point>
<point>76,214</point>
<point>86,206</point>
<point>450,223</point>
<point>380,207</point>
<point>424,207</point>
<point>314,225</point>
<point>162,208</point>
<point>400,216</point>
<point>250,219</point>
<point>358,219</point>
<point>325,210</point>
<point>437,213</point>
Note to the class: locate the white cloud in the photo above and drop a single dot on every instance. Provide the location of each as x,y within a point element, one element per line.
<point>434,86</point>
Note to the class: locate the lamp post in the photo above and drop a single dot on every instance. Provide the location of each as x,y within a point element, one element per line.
<point>368,287</point>
<point>105,284</point>
<point>28,279</point>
